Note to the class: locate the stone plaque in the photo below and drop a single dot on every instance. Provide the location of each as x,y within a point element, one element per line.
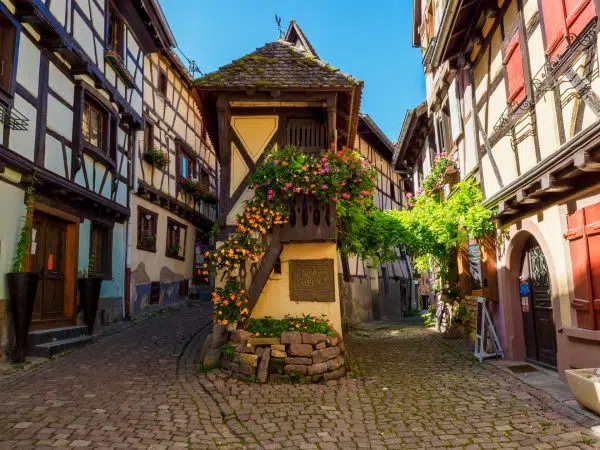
<point>312,280</point>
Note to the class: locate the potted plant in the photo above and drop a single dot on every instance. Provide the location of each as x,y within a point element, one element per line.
<point>173,250</point>
<point>22,285</point>
<point>157,158</point>
<point>89,294</point>
<point>148,242</point>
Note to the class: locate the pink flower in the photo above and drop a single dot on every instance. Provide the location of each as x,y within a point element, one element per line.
<point>269,192</point>
<point>269,183</point>
<point>345,196</point>
<point>256,186</point>
<point>409,195</point>
<point>364,163</point>
<point>324,187</point>
<point>324,159</point>
<point>334,200</point>
<point>344,183</point>
<point>276,162</point>
<point>269,197</point>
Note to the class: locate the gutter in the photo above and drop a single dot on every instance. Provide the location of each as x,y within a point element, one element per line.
<point>450,11</point>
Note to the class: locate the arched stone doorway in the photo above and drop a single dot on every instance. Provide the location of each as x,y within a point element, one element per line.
<point>536,305</point>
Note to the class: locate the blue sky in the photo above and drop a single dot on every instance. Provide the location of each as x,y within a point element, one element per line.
<point>370,40</point>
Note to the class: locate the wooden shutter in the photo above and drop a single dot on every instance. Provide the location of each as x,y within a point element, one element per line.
<point>578,14</point>
<point>554,25</point>
<point>514,70</point>
<point>592,232</point>
<point>582,286</point>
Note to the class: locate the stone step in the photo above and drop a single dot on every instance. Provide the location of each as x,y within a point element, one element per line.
<point>55,334</point>
<point>50,349</point>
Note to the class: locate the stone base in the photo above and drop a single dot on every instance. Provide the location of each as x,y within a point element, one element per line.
<point>293,357</point>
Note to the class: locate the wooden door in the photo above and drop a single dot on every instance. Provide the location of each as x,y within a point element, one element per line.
<point>48,259</point>
<point>536,306</point>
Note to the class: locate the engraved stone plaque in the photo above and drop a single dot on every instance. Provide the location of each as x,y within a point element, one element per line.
<point>312,280</point>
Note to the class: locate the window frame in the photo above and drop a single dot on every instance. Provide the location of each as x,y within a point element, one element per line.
<point>113,13</point>
<point>105,271</point>
<point>171,223</point>
<point>160,89</point>
<point>142,213</point>
<point>7,93</point>
<point>192,169</point>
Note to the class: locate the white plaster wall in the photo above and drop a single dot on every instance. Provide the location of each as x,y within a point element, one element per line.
<point>60,118</point>
<point>22,142</point>
<point>53,158</point>
<point>83,34</point>
<point>13,210</point>
<point>61,84</point>
<point>28,65</point>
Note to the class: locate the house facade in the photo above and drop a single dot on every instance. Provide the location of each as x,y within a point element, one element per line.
<point>512,89</point>
<point>71,106</point>
<point>281,94</point>
<point>385,290</point>
<point>171,226</point>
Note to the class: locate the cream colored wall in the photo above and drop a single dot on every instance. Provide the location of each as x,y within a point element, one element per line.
<point>156,263</point>
<point>275,298</point>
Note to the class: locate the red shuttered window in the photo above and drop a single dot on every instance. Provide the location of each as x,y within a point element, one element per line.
<point>584,242</point>
<point>514,70</point>
<point>565,18</point>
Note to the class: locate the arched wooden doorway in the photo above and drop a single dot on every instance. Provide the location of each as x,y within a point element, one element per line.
<point>536,306</point>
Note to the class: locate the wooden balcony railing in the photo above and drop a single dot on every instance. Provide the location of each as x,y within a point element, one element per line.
<point>310,221</point>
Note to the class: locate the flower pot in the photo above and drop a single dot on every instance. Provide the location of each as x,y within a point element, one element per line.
<point>89,294</point>
<point>585,391</point>
<point>22,289</point>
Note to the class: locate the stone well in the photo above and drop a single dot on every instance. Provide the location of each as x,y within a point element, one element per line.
<point>312,357</point>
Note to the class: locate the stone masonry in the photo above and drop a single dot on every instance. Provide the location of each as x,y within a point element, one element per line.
<point>310,357</point>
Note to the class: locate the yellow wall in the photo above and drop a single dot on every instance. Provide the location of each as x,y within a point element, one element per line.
<point>275,298</point>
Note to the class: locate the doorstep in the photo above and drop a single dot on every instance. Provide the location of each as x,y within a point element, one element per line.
<point>548,382</point>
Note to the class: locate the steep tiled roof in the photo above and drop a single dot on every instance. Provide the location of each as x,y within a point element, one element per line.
<point>277,65</point>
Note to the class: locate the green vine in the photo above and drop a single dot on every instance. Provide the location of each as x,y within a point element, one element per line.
<point>24,241</point>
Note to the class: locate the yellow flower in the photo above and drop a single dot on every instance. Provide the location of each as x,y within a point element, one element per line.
<point>225,322</point>
<point>219,312</point>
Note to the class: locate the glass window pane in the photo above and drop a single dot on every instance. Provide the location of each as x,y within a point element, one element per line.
<point>184,166</point>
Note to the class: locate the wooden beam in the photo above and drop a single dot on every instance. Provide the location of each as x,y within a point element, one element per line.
<point>524,199</point>
<point>583,161</point>
<point>332,119</point>
<point>504,209</point>
<point>549,183</point>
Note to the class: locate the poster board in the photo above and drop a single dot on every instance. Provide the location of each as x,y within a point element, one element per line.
<point>474,256</point>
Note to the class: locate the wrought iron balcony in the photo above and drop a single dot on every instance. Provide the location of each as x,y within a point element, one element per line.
<point>13,119</point>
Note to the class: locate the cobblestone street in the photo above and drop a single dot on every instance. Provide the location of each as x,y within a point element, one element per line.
<point>408,389</point>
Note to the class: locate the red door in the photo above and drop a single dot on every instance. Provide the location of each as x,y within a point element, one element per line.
<point>48,259</point>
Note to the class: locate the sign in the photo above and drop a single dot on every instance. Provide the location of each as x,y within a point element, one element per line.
<point>525,304</point>
<point>524,289</point>
<point>312,280</point>
<point>475,266</point>
<point>487,344</point>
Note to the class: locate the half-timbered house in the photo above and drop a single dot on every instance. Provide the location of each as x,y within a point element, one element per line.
<point>281,94</point>
<point>515,84</point>
<point>387,289</point>
<point>171,227</point>
<point>71,110</point>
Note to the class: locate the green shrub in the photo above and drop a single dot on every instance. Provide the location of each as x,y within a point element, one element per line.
<point>269,327</point>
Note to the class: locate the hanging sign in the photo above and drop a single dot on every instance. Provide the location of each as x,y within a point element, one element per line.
<point>475,266</point>
<point>525,304</point>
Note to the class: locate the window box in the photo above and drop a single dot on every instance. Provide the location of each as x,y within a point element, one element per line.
<point>117,63</point>
<point>157,158</point>
<point>197,190</point>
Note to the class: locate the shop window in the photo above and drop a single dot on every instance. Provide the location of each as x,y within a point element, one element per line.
<point>584,242</point>
<point>100,263</point>
<point>8,51</point>
<point>147,229</point>
<point>162,82</point>
<point>513,62</point>
<point>176,234</point>
<point>563,21</point>
<point>116,31</point>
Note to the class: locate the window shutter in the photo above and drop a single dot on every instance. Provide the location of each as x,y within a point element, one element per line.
<point>514,70</point>
<point>592,232</point>
<point>578,243</point>
<point>579,13</point>
<point>554,26</point>
<point>455,119</point>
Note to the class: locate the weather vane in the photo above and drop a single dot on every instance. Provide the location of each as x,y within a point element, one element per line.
<point>278,21</point>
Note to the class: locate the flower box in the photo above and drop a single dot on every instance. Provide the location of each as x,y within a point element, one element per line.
<point>585,391</point>
<point>157,158</point>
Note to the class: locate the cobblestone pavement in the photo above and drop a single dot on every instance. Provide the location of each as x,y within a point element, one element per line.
<point>140,389</point>
<point>412,391</point>
<point>129,390</point>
